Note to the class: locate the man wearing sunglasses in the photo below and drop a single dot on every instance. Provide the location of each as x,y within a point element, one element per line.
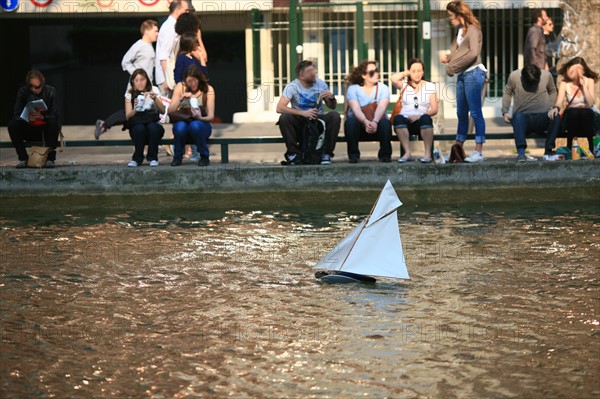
<point>41,124</point>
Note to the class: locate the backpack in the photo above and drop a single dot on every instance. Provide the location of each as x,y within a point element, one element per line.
<point>313,139</point>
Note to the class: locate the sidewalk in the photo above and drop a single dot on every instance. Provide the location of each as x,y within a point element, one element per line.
<point>270,154</point>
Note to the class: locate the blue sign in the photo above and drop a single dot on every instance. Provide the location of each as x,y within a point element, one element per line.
<point>9,5</point>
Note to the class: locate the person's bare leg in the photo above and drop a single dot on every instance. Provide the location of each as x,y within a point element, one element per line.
<point>402,134</point>
<point>479,148</point>
<point>427,136</point>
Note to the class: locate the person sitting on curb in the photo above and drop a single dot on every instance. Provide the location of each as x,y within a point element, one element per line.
<point>366,94</point>
<point>41,125</point>
<point>195,99</point>
<point>140,55</point>
<point>577,89</point>
<point>419,104</point>
<point>533,92</point>
<point>143,107</point>
<point>306,95</point>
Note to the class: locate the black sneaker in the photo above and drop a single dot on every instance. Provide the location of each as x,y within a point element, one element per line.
<point>49,165</point>
<point>176,162</point>
<point>22,164</point>
<point>353,159</point>
<point>386,160</point>
<point>100,129</point>
<point>293,159</point>
<point>204,162</point>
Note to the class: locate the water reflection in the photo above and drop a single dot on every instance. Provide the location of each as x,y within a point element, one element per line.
<point>161,303</point>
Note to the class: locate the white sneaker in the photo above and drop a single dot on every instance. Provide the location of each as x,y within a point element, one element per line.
<point>552,158</point>
<point>132,164</point>
<point>474,157</point>
<point>154,164</point>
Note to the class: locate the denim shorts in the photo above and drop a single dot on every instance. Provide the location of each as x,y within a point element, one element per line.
<point>414,128</point>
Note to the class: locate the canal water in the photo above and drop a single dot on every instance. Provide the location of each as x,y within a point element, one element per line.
<point>214,296</point>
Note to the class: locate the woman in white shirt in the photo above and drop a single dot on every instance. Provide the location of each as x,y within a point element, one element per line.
<point>577,89</point>
<point>419,104</point>
<point>142,110</point>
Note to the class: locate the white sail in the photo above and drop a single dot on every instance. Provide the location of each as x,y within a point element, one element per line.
<point>387,202</point>
<point>374,247</point>
<point>336,257</point>
<point>378,251</point>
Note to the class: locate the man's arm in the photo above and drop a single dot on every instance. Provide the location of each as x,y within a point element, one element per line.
<point>127,63</point>
<point>282,108</point>
<point>509,90</point>
<point>52,104</point>
<point>20,103</point>
<point>551,88</point>
<point>327,96</point>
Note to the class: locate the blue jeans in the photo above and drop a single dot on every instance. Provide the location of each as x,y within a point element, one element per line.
<point>195,132</point>
<point>524,123</point>
<point>355,132</point>
<point>469,88</point>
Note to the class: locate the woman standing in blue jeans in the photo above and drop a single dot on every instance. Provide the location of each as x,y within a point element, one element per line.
<point>194,98</point>
<point>464,60</point>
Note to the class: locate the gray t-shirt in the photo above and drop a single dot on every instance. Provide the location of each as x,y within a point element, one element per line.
<point>525,101</point>
<point>303,98</point>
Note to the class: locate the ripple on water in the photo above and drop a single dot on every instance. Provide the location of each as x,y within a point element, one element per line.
<point>500,304</point>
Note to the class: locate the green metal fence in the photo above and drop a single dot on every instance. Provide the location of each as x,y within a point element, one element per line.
<point>344,34</point>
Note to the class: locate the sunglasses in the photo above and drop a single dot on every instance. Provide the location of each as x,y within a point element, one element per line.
<point>35,87</point>
<point>373,72</point>
<point>416,102</point>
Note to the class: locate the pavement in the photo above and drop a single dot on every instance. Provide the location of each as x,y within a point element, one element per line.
<point>257,168</point>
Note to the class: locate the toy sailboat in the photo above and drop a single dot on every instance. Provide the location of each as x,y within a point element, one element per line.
<point>372,249</point>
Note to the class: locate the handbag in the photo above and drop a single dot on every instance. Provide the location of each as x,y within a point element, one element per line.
<point>457,154</point>
<point>398,106</point>
<point>39,155</point>
<point>369,109</point>
<point>181,115</point>
<point>143,118</point>
<point>185,114</point>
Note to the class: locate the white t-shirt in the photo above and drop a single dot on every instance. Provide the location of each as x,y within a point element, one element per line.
<point>410,98</point>
<point>149,104</point>
<point>164,47</point>
<point>356,93</point>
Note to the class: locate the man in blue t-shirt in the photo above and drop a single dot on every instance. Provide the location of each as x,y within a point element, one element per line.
<point>306,95</point>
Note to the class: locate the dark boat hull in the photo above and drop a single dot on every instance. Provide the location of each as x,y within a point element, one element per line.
<point>340,277</point>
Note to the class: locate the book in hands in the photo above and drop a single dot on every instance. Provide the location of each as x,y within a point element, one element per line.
<point>33,106</point>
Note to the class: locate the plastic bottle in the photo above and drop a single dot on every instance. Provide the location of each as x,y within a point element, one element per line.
<point>438,157</point>
<point>575,150</point>
<point>140,103</point>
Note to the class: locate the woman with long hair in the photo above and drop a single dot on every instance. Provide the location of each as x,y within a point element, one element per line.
<point>419,104</point>
<point>464,60</point>
<point>142,111</point>
<point>188,49</point>
<point>195,96</point>
<point>577,90</point>
<point>367,100</point>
